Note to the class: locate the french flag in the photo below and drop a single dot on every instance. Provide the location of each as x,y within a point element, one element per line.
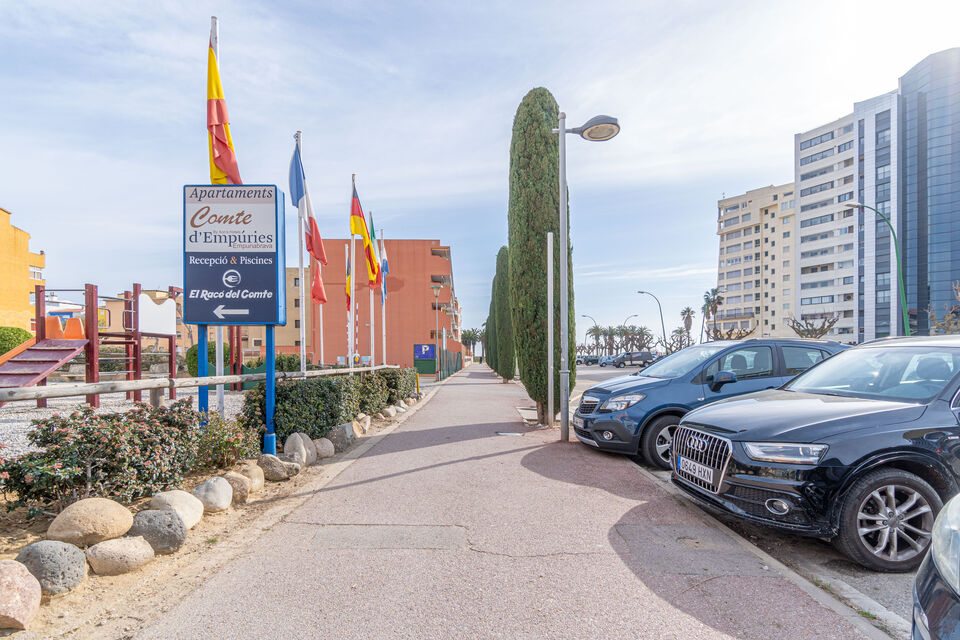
<point>301,198</point>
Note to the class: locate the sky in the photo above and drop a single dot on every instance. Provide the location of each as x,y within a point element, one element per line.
<point>103,119</point>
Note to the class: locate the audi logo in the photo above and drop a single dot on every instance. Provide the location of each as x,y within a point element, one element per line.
<point>697,443</point>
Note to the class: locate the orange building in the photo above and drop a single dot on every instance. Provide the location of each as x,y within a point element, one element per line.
<point>412,315</point>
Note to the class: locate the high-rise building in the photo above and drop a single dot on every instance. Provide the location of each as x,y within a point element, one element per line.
<point>825,176</point>
<point>756,260</point>
<point>20,271</point>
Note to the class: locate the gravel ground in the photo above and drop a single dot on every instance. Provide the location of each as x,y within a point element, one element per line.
<point>15,417</point>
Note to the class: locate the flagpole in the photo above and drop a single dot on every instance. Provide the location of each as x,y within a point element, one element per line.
<point>346,267</point>
<point>218,367</point>
<point>383,302</point>
<point>373,346</point>
<point>353,265</point>
<point>303,301</point>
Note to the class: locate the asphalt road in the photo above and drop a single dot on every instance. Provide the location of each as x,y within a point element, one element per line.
<point>816,559</point>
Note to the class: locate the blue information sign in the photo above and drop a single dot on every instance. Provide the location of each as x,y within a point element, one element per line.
<point>424,352</point>
<point>233,255</point>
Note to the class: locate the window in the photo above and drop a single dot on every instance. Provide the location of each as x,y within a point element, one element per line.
<point>883,296</point>
<point>732,221</point>
<point>826,153</point>
<point>748,363</point>
<point>296,343</point>
<point>848,280</point>
<point>816,205</point>
<point>816,300</point>
<point>883,137</point>
<point>816,172</point>
<point>843,197</point>
<point>745,217</point>
<point>296,302</point>
<point>257,343</point>
<point>799,359</point>
<point>883,279</point>
<point>296,324</point>
<point>847,129</point>
<point>731,208</point>
<point>36,273</point>
<point>846,145</point>
<point>296,282</point>
<point>806,144</point>
<point>817,188</point>
<point>733,235</point>
<point>883,173</point>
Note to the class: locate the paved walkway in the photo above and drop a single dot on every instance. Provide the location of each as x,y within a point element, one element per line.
<point>446,529</point>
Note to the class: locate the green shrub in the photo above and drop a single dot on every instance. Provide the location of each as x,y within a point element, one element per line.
<point>402,383</point>
<point>12,337</point>
<point>374,393</point>
<point>111,455</point>
<point>311,406</point>
<point>284,362</point>
<point>211,358</point>
<point>221,443</point>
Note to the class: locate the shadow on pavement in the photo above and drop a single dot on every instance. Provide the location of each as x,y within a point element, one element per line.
<point>677,553</point>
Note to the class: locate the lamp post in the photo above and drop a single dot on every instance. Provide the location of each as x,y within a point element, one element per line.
<point>623,326</point>
<point>663,327</point>
<point>597,336</point>
<point>596,129</point>
<point>436,332</point>
<point>896,248</point>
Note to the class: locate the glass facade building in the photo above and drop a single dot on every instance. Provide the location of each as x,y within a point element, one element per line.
<point>929,189</point>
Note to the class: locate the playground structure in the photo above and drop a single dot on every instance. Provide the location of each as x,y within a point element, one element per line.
<point>56,344</point>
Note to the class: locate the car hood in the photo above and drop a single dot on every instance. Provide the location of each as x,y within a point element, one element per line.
<point>787,416</point>
<point>626,383</point>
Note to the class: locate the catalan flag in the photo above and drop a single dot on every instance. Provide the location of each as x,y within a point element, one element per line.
<point>376,254</point>
<point>223,158</point>
<point>358,225</point>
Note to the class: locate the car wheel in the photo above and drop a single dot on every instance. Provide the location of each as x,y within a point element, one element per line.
<point>656,441</point>
<point>886,520</point>
<point>619,365</point>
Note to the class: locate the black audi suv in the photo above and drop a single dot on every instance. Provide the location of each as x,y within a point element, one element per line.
<point>862,448</point>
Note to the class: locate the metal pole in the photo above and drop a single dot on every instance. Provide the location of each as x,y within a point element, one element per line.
<point>663,327</point>
<point>346,270</point>
<point>203,400</point>
<point>320,316</point>
<point>353,278</point>
<point>303,300</point>
<point>896,248</point>
<point>270,437</point>
<point>373,344</point>
<point>564,297</point>
<point>550,413</point>
<point>218,367</point>
<point>383,304</point>
<point>436,333</point>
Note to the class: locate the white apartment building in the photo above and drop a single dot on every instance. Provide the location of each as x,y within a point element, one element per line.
<point>756,260</point>
<point>825,227</point>
<point>876,123</point>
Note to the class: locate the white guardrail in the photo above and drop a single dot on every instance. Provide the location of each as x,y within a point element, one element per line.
<point>156,385</point>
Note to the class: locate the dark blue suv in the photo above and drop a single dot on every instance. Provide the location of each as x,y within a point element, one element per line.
<point>637,414</point>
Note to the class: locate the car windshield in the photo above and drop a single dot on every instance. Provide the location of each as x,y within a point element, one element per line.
<point>897,372</point>
<point>682,362</point>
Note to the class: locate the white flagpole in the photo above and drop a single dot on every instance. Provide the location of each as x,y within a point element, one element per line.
<point>320,272</point>
<point>353,265</point>
<point>301,209</point>
<point>346,267</point>
<point>383,303</point>
<point>215,44</point>
<point>373,346</point>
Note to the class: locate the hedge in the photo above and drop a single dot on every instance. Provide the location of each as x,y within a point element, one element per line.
<point>402,383</point>
<point>310,406</point>
<point>211,358</point>
<point>374,393</point>
<point>12,337</point>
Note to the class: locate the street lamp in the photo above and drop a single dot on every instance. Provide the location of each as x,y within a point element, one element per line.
<point>896,248</point>
<point>596,129</point>
<point>663,326</point>
<point>436,332</point>
<point>597,336</point>
<point>623,325</point>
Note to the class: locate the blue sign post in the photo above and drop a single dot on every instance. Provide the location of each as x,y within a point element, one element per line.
<point>233,270</point>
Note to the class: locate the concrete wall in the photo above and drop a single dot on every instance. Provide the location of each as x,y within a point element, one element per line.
<point>16,283</point>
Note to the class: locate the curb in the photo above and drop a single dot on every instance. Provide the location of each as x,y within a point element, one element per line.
<point>847,611</point>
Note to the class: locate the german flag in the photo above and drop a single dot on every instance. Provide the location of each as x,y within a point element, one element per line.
<point>358,225</point>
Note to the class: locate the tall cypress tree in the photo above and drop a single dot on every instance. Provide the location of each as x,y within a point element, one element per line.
<point>506,357</point>
<point>490,347</point>
<point>534,211</point>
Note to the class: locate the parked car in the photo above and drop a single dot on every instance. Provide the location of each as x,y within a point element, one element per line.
<point>639,358</point>
<point>638,413</point>
<point>605,360</point>
<point>588,359</point>
<point>862,449</point>
<point>936,589</point>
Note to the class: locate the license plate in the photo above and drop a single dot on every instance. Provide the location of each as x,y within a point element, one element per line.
<point>578,422</point>
<point>695,469</point>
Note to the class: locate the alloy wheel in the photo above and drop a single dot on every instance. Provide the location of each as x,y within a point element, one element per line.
<point>664,441</point>
<point>894,522</point>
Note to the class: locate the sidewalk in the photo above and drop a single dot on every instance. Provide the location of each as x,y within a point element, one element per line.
<point>445,529</point>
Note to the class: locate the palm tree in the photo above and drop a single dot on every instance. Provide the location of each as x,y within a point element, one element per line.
<point>469,338</point>
<point>596,333</point>
<point>687,315</point>
<point>711,303</point>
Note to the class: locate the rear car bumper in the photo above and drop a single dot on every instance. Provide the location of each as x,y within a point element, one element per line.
<point>936,607</point>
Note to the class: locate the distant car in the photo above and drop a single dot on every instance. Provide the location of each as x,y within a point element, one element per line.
<point>588,359</point>
<point>638,358</point>
<point>936,589</point>
<point>605,360</point>
<point>637,414</point>
<point>861,448</point>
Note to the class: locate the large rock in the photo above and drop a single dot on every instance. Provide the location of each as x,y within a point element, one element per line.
<point>410,401</point>
<point>113,557</point>
<point>254,474</point>
<point>364,423</point>
<point>310,447</point>
<point>341,436</point>
<point>272,467</point>
<point>240,485</point>
<point>400,408</point>
<point>389,411</point>
<point>19,595</point>
<point>292,468</point>
<point>216,494</point>
<point>163,529</point>
<point>298,456</point>
<point>189,508</point>
<point>325,448</point>
<point>90,521</point>
<point>57,566</point>
<point>295,449</point>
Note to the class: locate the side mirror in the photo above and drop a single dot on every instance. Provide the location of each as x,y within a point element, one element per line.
<point>722,378</point>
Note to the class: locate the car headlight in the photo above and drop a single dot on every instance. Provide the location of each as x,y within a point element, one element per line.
<point>621,402</point>
<point>945,548</point>
<point>785,452</point>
